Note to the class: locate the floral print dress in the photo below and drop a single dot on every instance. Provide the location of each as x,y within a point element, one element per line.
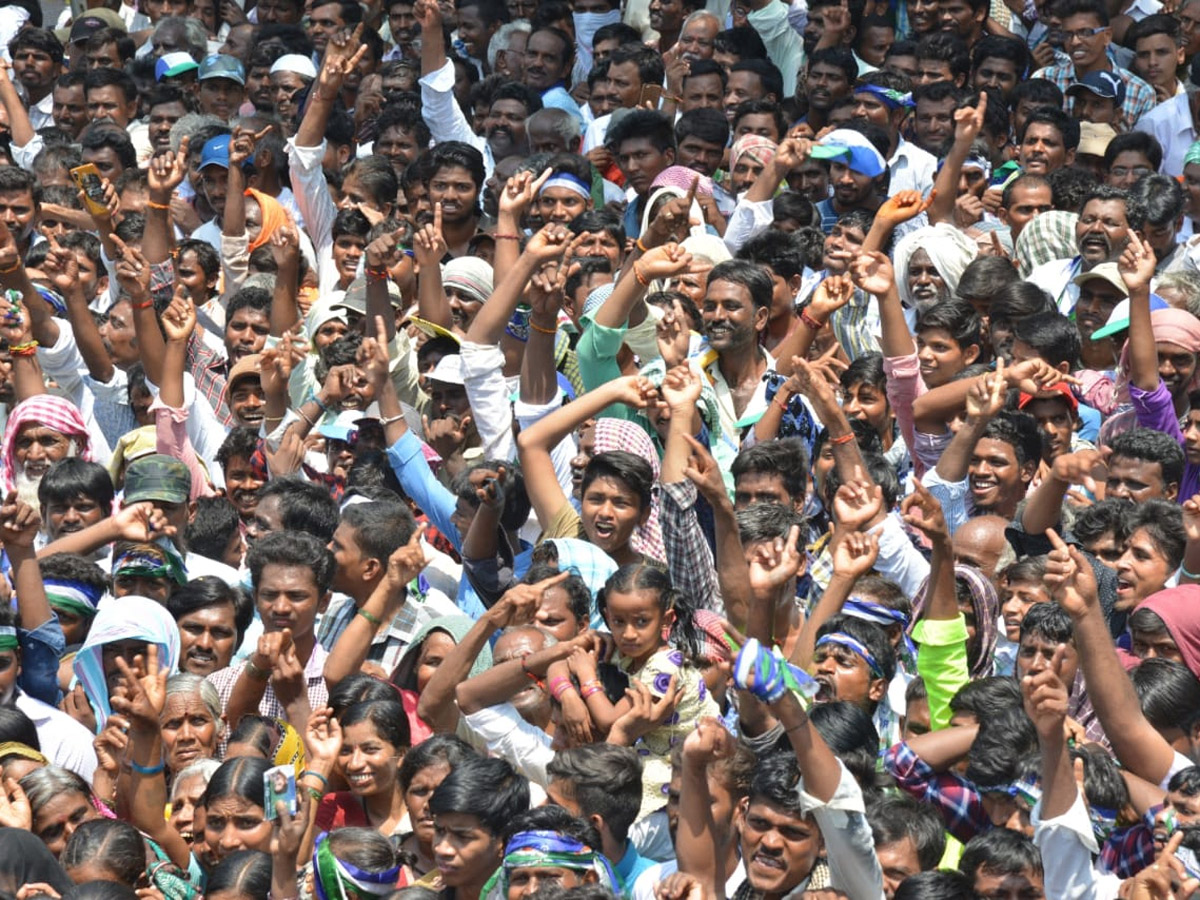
<point>693,704</point>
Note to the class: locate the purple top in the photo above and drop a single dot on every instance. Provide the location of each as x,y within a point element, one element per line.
<point>1155,409</point>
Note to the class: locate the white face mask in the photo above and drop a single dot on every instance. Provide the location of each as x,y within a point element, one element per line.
<point>587,24</point>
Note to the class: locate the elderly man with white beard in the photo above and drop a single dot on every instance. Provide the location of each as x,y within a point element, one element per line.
<point>40,431</point>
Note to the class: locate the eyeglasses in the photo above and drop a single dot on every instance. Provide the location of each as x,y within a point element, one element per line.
<point>1082,34</point>
<point>1123,171</point>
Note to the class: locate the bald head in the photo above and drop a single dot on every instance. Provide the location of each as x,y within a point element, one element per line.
<point>697,35</point>
<point>979,542</point>
<point>553,130</point>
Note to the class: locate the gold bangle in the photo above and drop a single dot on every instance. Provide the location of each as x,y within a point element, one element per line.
<point>153,205</point>
<point>536,327</point>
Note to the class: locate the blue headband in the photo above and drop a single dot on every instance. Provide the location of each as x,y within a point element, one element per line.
<point>841,639</point>
<point>568,181</point>
<point>893,98</point>
<point>873,612</point>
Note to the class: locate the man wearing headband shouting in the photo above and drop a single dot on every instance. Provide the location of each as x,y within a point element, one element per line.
<point>882,100</point>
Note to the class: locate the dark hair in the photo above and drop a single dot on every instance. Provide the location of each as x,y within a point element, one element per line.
<point>641,123</point>
<point>984,276</point>
<point>776,780</point>
<point>957,318</point>
<point>1135,212</point>
<point>742,41</point>
<point>1169,693</point>
<point>453,154</point>
<point>1004,741</point>
<point>42,39</point>
<point>852,737</point>
<point>1070,186</point>
<point>777,250</point>
<point>17,727</point>
<point>1106,515</point>
<point>628,468</point>
<point>761,108</point>
<point>764,522</point>
<point>1068,8</point>
<point>894,817</point>
<point>208,591</point>
<point>943,46</point>
<point>836,57</point>
<point>244,872</point>
<point>866,369</point>
<point>108,137</point>
<point>438,749</point>
<point>380,528</point>
<point>649,62</point>
<point>798,208</point>
<point>986,698</point>
<point>1038,92</point>
<point>870,635</point>
<point>1052,336</point>
<point>1160,198</point>
<point>698,68</point>
<point>992,46</point>
<point>240,442</point>
<point>1148,445</point>
<point>579,595</point>
<point>786,458</point>
<point>597,220</point>
<point>1020,431</point>
<point>936,885</point>
<point>72,477</point>
<point>407,119</point>
<point>387,716</point>
<point>556,819</point>
<point>106,77</point>
<point>240,777</point>
<point>114,845</point>
<point>303,506</point>
<point>99,890</point>
<point>753,278</point>
<point>1019,299</point>
<point>768,74</point>
<point>352,222</point>
<point>488,789</point>
<point>291,548</point>
<point>619,32</point>
<point>516,498</point>
<point>1136,141</point>
<point>73,567</point>
<point>1000,851</point>
<point>212,527</point>
<point>1054,116</point>
<point>605,780</point>
<point>358,688</point>
<point>1162,520</point>
<point>647,577</point>
<point>1048,621</point>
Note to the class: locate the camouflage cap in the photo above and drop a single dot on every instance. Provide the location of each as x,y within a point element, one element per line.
<point>157,477</point>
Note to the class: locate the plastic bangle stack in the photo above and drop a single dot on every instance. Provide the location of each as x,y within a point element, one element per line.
<point>559,686</point>
<point>28,349</point>
<point>810,321</point>
<point>587,688</point>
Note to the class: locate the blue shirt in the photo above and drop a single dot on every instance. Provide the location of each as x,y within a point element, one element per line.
<point>632,865</point>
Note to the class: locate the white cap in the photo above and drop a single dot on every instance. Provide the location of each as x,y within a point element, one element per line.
<point>294,62</point>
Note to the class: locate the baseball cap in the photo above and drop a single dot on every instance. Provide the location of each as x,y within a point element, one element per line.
<point>343,428</point>
<point>852,148</point>
<point>170,65</point>
<point>220,65</point>
<point>215,152</point>
<point>243,368</point>
<point>355,299</point>
<point>1094,138</point>
<point>1106,85</point>
<point>157,478</point>
<point>1060,388</point>
<point>448,370</point>
<point>85,26</point>
<point>1118,319</point>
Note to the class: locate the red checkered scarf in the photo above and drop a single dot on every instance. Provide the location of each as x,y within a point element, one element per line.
<point>50,411</point>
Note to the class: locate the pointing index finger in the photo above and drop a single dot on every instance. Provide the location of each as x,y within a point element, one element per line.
<point>1055,541</point>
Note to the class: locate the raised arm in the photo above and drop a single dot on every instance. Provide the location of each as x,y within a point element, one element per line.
<point>429,246</point>
<point>625,302</point>
<point>1045,698</point>
<point>968,122</point>
<point>872,272</point>
<point>696,843</point>
<point>984,402</point>
<point>1043,507</point>
<point>730,559</point>
<point>539,378</point>
<point>133,272</point>
<point>831,295</point>
<point>382,253</point>
<point>164,174</point>
<point>893,212</point>
<point>790,154</point>
<point>519,194</point>
<point>854,553</point>
<point>1136,743</point>
<point>342,54</point>
<point>384,604</point>
<point>26,371</point>
<point>285,310</point>
<point>21,523</point>
<point>536,442</point>
<point>1137,268</point>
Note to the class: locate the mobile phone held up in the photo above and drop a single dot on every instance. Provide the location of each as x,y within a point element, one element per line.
<point>87,179</point>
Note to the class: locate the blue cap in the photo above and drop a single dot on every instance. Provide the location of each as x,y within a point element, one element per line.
<point>1106,85</point>
<point>216,152</point>
<point>220,65</point>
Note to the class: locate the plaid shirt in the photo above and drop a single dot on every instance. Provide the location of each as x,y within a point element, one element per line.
<point>689,559</point>
<point>1139,96</point>
<point>314,674</point>
<point>206,367</point>
<point>856,325</point>
<point>1126,852</point>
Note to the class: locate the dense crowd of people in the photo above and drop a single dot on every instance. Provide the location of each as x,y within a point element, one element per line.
<point>487,450</point>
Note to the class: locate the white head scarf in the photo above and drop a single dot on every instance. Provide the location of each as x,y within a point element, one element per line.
<point>949,249</point>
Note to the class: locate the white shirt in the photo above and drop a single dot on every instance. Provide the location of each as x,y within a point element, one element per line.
<point>311,193</point>
<point>510,737</point>
<point>444,116</point>
<point>911,169</point>
<point>1069,841</point>
<point>64,741</point>
<point>594,136</point>
<point>1056,279</point>
<point>1171,123</point>
<point>40,113</point>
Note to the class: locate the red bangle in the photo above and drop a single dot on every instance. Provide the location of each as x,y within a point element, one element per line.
<point>506,237</point>
<point>842,439</point>
<point>153,205</point>
<point>782,405</point>
<point>380,272</point>
<point>143,305</point>
<point>810,321</point>
<point>641,279</point>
